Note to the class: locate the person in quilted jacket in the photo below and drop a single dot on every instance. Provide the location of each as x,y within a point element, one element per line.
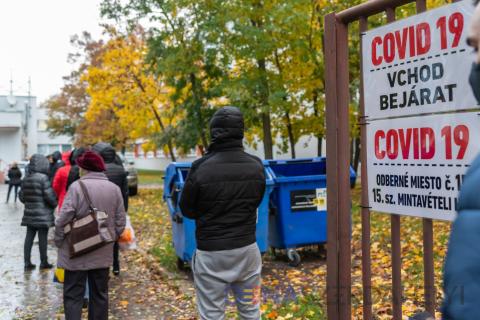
<point>40,202</point>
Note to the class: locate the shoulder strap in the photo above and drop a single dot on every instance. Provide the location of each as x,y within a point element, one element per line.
<point>85,193</point>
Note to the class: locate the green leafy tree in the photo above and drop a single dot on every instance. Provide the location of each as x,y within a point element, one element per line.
<point>180,57</point>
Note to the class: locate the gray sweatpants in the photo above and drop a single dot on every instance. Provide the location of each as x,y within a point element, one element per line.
<point>218,272</point>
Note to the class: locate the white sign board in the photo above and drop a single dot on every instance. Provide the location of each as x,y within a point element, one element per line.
<point>420,64</point>
<point>416,165</point>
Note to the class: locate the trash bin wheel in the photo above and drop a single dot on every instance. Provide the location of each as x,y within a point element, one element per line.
<point>322,251</point>
<point>275,252</point>
<point>180,264</point>
<point>293,257</point>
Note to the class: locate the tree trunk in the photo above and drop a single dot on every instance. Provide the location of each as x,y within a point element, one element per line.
<point>201,149</point>
<point>267,126</point>
<point>205,143</point>
<point>319,145</point>
<point>169,142</point>
<point>264,92</point>
<point>356,157</point>
<point>291,137</point>
<point>198,107</point>
<point>267,136</point>
<point>316,112</point>
<point>351,151</point>
<point>159,119</point>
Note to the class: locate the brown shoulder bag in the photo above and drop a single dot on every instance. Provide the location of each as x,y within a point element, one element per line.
<point>90,232</point>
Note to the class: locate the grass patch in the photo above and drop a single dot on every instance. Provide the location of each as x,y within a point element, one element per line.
<point>151,218</point>
<point>150,176</point>
<point>305,307</point>
<point>165,255</point>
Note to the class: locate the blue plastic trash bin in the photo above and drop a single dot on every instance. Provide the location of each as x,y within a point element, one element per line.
<point>298,204</point>
<point>183,229</point>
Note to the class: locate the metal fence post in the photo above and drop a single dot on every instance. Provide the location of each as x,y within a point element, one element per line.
<point>366,257</point>
<point>332,173</point>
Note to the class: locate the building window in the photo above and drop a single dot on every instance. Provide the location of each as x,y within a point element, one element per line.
<point>42,125</point>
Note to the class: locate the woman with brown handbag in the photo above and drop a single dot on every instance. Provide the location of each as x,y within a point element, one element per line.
<point>102,200</point>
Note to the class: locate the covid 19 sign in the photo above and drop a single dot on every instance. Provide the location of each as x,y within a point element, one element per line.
<point>419,65</point>
<point>422,130</point>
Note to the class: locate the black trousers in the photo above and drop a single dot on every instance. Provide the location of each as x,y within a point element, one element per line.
<point>10,186</point>
<point>116,258</point>
<point>74,290</point>
<point>42,244</point>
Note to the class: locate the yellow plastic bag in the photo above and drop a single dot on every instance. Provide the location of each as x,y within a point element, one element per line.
<point>59,275</point>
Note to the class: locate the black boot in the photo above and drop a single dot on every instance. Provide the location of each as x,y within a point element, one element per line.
<point>29,266</point>
<point>46,266</point>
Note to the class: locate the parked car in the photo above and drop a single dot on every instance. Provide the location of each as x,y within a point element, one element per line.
<point>21,166</point>
<point>129,165</point>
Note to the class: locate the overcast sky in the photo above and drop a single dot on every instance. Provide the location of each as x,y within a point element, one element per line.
<point>35,41</point>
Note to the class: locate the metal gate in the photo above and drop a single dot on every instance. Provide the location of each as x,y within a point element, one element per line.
<point>338,184</point>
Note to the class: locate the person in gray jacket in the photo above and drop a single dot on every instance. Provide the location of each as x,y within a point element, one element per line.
<point>40,202</point>
<point>106,197</point>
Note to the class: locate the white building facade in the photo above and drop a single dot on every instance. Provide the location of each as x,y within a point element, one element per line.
<point>23,130</point>
<point>306,147</point>
<point>45,143</point>
<point>18,128</point>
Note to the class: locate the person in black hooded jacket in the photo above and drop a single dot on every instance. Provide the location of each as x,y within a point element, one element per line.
<point>116,174</point>
<point>56,164</point>
<point>222,193</point>
<point>40,202</point>
<point>14,180</point>
<point>74,173</point>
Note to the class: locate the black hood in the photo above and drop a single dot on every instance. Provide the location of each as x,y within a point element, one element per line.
<point>106,151</point>
<point>57,155</point>
<point>38,163</point>
<point>227,125</point>
<point>75,154</point>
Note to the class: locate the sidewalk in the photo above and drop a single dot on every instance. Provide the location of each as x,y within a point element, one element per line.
<point>23,294</point>
<point>135,294</point>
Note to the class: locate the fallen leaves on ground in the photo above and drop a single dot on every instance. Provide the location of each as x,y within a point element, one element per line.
<point>287,293</point>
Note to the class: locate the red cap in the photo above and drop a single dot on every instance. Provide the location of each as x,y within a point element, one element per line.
<point>91,161</point>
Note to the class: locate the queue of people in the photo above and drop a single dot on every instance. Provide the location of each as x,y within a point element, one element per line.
<point>52,196</point>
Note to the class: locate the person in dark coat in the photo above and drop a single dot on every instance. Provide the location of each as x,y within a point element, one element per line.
<point>40,202</point>
<point>74,173</point>
<point>461,278</point>
<point>116,174</point>
<point>222,193</point>
<point>56,164</point>
<point>14,180</point>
